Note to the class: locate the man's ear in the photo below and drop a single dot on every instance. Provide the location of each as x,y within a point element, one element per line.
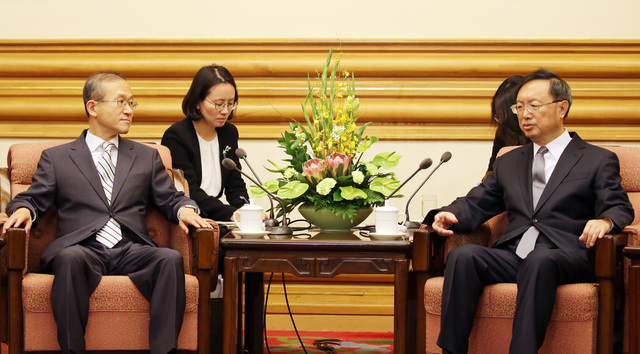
<point>563,107</point>
<point>91,108</point>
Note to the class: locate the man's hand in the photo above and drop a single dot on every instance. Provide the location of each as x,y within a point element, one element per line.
<point>21,217</point>
<point>189,217</point>
<point>594,230</point>
<point>442,222</point>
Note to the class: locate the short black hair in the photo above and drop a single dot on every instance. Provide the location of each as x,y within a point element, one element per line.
<point>558,88</point>
<point>206,78</point>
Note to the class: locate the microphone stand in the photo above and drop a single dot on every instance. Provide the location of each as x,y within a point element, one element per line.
<point>271,222</point>
<point>424,164</point>
<point>413,224</point>
<point>229,164</point>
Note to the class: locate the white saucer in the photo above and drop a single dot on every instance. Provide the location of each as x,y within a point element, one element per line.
<point>229,224</point>
<point>386,237</point>
<point>247,234</point>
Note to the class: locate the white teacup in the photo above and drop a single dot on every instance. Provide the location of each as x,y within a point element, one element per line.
<point>387,222</point>
<point>249,218</point>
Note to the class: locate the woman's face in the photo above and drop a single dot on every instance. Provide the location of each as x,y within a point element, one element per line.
<point>218,104</point>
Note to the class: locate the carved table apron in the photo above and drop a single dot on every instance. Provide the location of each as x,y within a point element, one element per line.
<point>323,255</point>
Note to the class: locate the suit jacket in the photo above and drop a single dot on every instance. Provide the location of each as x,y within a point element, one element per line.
<point>182,140</point>
<point>67,178</point>
<point>584,185</point>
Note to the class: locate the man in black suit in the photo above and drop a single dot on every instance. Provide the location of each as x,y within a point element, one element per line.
<point>101,185</point>
<point>546,243</point>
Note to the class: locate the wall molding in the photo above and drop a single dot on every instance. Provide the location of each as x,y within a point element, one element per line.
<point>409,89</point>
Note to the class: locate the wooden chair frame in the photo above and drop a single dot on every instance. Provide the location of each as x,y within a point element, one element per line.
<point>429,259</point>
<point>204,268</point>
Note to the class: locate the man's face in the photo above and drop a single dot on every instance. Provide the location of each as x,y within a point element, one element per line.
<point>106,119</point>
<point>546,124</point>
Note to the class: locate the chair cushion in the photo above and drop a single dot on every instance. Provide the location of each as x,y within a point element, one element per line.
<point>572,328</point>
<point>117,309</point>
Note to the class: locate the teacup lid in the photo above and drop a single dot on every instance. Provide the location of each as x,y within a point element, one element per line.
<point>251,206</point>
<point>386,207</point>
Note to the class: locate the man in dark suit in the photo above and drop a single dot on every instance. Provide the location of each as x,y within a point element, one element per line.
<point>546,243</point>
<point>101,185</point>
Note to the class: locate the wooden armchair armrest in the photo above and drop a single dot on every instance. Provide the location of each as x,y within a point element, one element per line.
<point>428,252</point>
<point>429,247</point>
<point>633,253</point>
<point>16,263</point>
<point>610,273</point>
<point>609,256</point>
<point>205,251</point>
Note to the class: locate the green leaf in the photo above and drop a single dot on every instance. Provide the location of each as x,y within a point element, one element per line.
<point>351,193</point>
<point>384,185</point>
<point>272,185</point>
<point>336,196</point>
<point>293,189</point>
<point>386,159</point>
<point>373,197</point>
<point>366,143</point>
<point>360,131</point>
<point>278,170</point>
<point>257,193</point>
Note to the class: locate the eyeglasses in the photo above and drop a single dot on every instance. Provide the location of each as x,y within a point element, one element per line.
<point>120,102</point>
<point>220,106</point>
<point>519,108</point>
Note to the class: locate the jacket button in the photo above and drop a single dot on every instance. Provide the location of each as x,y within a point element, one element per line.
<point>111,214</point>
<point>534,221</point>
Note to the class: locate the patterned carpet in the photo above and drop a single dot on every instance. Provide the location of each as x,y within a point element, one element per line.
<point>349,342</point>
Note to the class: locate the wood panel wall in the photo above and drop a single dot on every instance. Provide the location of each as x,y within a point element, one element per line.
<point>409,89</point>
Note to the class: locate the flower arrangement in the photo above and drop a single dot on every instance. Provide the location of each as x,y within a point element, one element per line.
<point>326,166</point>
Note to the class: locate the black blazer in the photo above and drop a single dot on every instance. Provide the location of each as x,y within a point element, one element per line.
<point>67,178</point>
<point>584,185</point>
<point>182,140</point>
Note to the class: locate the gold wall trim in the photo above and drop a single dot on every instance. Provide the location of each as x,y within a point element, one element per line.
<point>409,89</point>
<point>460,132</point>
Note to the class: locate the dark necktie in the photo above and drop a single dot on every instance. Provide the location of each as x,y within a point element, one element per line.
<point>528,240</point>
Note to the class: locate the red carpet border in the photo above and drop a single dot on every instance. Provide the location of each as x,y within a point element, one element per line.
<point>351,342</point>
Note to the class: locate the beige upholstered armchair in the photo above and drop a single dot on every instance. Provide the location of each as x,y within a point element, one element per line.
<point>118,311</point>
<point>587,318</point>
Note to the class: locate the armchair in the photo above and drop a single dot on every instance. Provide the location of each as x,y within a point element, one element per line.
<point>587,318</point>
<point>118,311</point>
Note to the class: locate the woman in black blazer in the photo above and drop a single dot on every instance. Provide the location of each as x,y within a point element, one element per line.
<point>204,138</point>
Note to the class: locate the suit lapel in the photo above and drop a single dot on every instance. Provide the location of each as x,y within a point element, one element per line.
<point>126,157</point>
<point>81,156</point>
<point>569,158</point>
<point>524,176</point>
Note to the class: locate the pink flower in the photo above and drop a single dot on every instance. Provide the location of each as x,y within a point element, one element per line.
<point>314,170</point>
<point>338,164</point>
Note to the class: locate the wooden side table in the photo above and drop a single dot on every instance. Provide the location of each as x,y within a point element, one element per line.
<point>314,254</point>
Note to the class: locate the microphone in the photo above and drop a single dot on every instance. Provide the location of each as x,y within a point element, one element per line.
<point>229,164</point>
<point>424,164</point>
<point>412,224</point>
<point>271,222</point>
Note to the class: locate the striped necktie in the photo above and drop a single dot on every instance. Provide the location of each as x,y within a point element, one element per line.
<point>528,240</point>
<point>111,233</point>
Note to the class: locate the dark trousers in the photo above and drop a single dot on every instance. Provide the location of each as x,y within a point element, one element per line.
<point>158,274</point>
<point>470,267</point>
